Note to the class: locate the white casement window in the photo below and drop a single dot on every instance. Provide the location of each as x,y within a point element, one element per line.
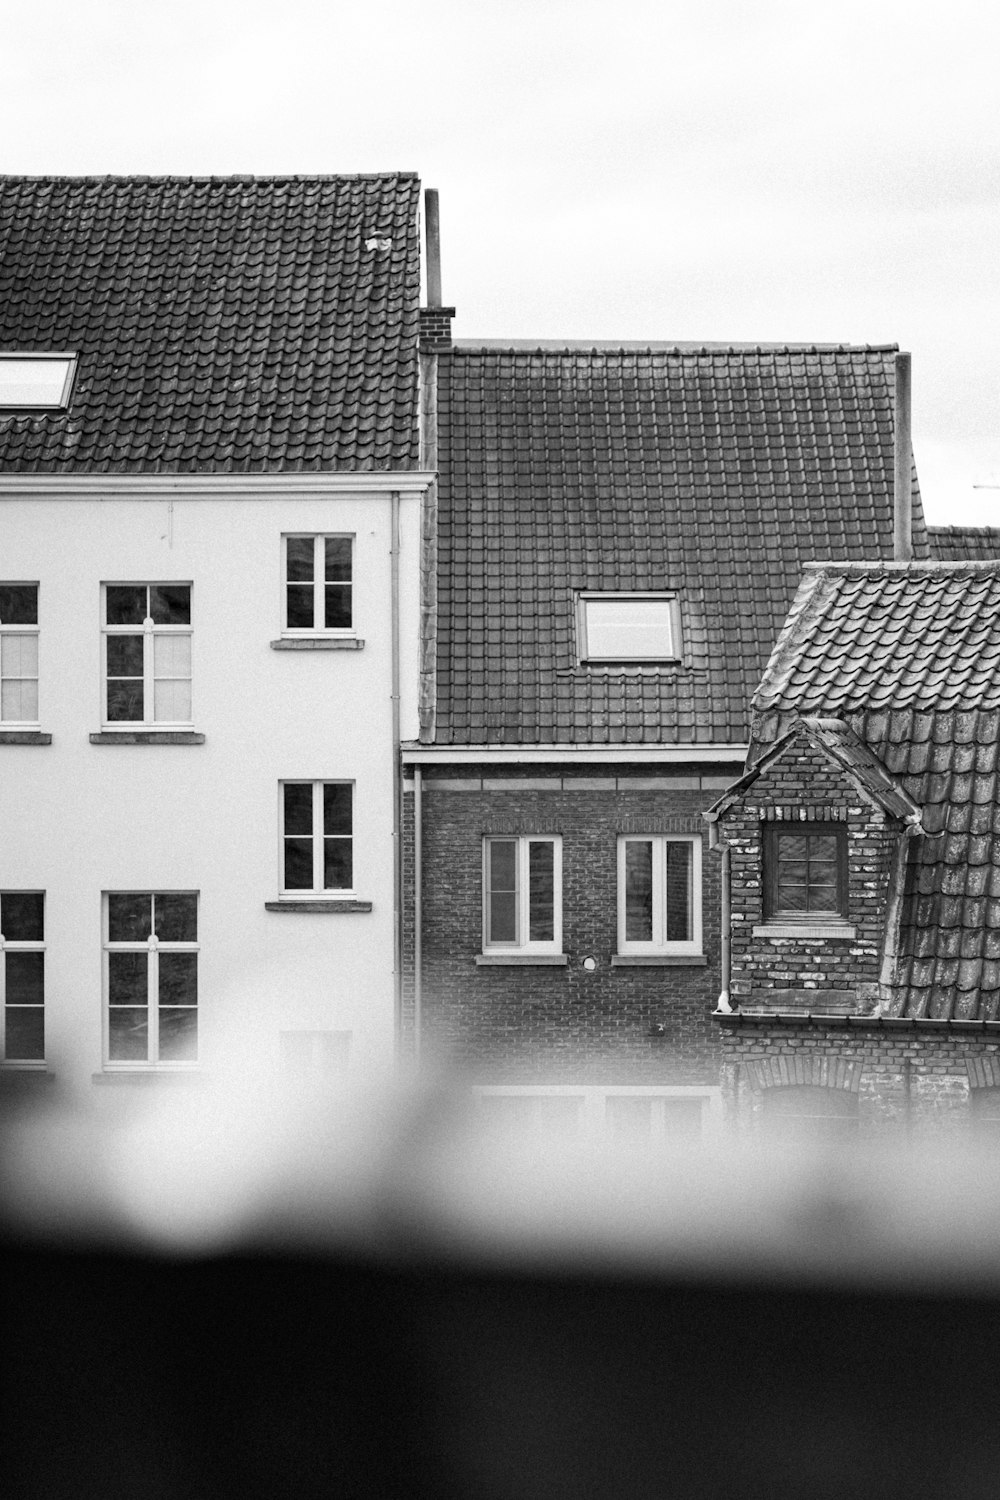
<point>318,585</point>
<point>22,976</point>
<point>317,837</point>
<point>151,977</point>
<point>19,654</point>
<point>35,381</point>
<point>147,654</point>
<point>522,894</point>
<point>628,627</point>
<point>659,894</point>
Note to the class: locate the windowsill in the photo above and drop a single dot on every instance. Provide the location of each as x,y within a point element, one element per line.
<point>805,930</point>
<point>658,960</point>
<point>147,1076</point>
<point>522,958</point>
<point>318,905</point>
<point>24,737</point>
<point>147,737</point>
<point>318,643</point>
<point>37,1070</point>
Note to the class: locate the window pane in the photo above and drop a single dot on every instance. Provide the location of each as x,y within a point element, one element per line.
<point>176,918</point>
<point>823,848</point>
<point>178,1035</point>
<point>25,1041</point>
<point>171,655</point>
<point>19,655</point>
<point>823,898</point>
<point>679,891</point>
<point>502,917</point>
<point>626,629</point>
<point>338,863</point>
<point>172,702</point>
<point>337,808</point>
<point>128,978</point>
<point>33,382</point>
<point>338,558</point>
<point>639,891</point>
<point>337,613</point>
<point>22,915</point>
<point>25,978</point>
<point>502,883</point>
<point>128,1035</point>
<point>629,1116</point>
<point>125,655</point>
<point>301,606</point>
<point>18,603</point>
<point>298,865</point>
<point>792,846</point>
<point>503,864</point>
<point>130,917</point>
<point>178,978</point>
<point>126,603</point>
<point>300,558</point>
<point>170,603</point>
<point>298,807</point>
<point>125,702</point>
<point>19,702</point>
<point>541,891</point>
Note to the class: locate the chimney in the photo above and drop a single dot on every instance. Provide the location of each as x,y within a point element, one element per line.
<point>435,320</point>
<point>902,530</point>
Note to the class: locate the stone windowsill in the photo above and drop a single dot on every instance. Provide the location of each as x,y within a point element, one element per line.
<point>318,643</point>
<point>147,737</point>
<point>318,906</point>
<point>522,958</point>
<point>805,930</point>
<point>658,960</point>
<point>24,1070</point>
<point>148,1077</point>
<point>24,737</point>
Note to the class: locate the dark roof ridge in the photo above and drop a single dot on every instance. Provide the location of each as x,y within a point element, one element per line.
<point>653,346</point>
<point>210,177</point>
<point>962,566</point>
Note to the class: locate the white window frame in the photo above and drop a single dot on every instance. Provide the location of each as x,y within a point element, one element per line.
<point>149,632</point>
<point>11,357</point>
<point>594,1118</point>
<point>521,943</point>
<point>19,945</point>
<point>317,890</point>
<point>659,945</point>
<point>304,632</point>
<point>152,947</point>
<point>6,633</point>
<point>584,601</point>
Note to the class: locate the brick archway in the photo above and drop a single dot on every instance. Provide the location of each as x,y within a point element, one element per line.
<point>798,1072</point>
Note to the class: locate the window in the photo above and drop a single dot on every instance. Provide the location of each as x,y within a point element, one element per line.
<point>808,1112</point>
<point>36,382</point>
<point>659,894</point>
<point>318,585</point>
<point>317,843</point>
<point>151,981</point>
<point>19,653</point>
<point>523,894</point>
<point>805,872</point>
<point>147,654</point>
<point>22,975</point>
<point>633,627</point>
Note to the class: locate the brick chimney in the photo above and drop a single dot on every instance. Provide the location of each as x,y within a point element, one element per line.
<point>435,320</point>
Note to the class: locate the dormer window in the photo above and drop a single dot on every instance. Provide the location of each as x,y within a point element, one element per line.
<point>35,382</point>
<point>805,872</point>
<point>628,627</point>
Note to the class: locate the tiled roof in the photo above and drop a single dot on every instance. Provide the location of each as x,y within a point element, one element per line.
<point>962,543</point>
<point>715,471</point>
<point>222,324</point>
<point>910,657</point>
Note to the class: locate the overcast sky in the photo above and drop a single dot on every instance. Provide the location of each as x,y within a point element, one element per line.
<point>643,169</point>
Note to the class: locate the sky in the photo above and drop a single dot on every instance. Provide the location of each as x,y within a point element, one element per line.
<point>717,170</point>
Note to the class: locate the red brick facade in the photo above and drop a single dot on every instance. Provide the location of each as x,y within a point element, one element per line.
<point>617,1022</point>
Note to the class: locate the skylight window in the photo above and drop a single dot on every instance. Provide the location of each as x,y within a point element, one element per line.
<point>35,382</point>
<point>628,627</point>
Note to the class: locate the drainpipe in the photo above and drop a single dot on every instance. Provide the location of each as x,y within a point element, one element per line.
<point>724,1006</point>
<point>418,907</point>
<point>397,776</point>
<point>902,531</point>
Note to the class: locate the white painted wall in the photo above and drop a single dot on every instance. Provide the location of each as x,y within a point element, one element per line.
<point>78,819</point>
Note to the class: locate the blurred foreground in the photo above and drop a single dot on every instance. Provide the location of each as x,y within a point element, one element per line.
<point>255,1294</point>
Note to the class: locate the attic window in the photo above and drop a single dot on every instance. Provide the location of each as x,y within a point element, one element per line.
<point>628,627</point>
<point>805,872</point>
<point>35,382</point>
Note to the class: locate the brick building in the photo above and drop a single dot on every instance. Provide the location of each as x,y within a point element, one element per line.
<point>864,858</point>
<point>619,534</point>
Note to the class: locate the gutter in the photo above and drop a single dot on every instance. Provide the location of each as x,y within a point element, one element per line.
<point>397,775</point>
<point>418,910</point>
<point>676,754</point>
<point>724,1006</point>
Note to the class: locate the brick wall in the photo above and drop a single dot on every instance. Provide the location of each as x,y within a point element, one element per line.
<point>435,329</point>
<point>527,1024</point>
<point>912,1077</point>
<point>804,784</point>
